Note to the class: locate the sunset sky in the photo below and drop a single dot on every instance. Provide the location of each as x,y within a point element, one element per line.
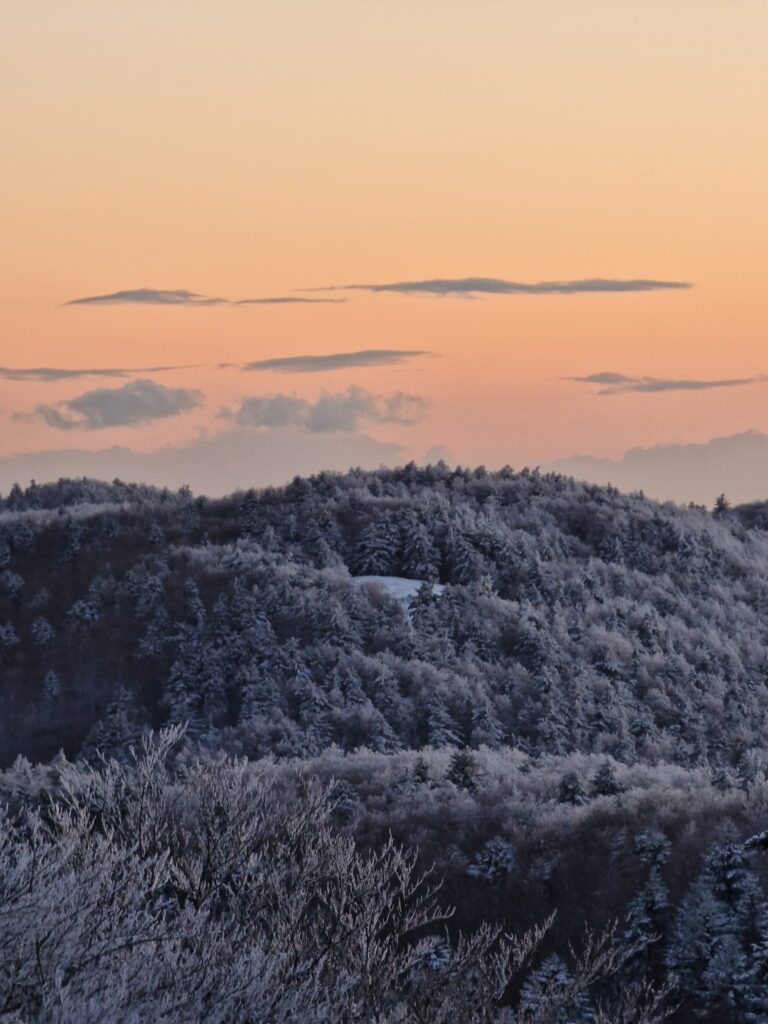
<point>168,153</point>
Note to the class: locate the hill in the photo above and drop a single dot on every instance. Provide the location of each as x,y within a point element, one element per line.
<point>549,694</point>
<point>568,617</point>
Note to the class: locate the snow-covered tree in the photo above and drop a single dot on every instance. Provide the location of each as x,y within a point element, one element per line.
<point>494,860</point>
<point>43,632</point>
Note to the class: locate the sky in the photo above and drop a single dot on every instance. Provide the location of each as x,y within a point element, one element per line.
<point>498,231</point>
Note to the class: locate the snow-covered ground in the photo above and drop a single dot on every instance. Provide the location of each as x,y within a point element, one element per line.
<point>399,588</point>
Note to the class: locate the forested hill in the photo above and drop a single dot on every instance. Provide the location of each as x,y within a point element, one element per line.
<point>573,618</point>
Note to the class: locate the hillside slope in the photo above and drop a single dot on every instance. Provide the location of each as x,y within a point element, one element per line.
<point>573,618</point>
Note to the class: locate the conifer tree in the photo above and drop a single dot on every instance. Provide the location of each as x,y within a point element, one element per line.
<point>463,770</point>
<point>604,782</point>
<point>570,789</point>
<point>116,731</point>
<point>42,632</point>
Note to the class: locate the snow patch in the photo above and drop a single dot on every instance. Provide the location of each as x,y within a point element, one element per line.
<point>399,588</point>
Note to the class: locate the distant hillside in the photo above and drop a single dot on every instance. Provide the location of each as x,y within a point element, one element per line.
<point>683,472</point>
<point>574,618</point>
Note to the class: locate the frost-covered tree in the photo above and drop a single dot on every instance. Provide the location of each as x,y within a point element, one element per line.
<point>463,769</point>
<point>441,729</point>
<point>8,637</point>
<point>420,559</point>
<point>551,994</point>
<point>604,782</point>
<point>720,922</point>
<point>570,789</point>
<point>116,731</point>
<point>13,584</point>
<point>375,554</point>
<point>494,861</point>
<point>486,729</point>
<point>42,631</point>
<point>50,694</point>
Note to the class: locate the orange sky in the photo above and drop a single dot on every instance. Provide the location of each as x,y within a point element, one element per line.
<point>252,147</point>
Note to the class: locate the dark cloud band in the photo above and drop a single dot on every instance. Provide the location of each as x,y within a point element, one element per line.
<point>48,374</point>
<point>148,297</point>
<point>285,300</point>
<point>182,297</point>
<point>335,360</point>
<point>497,286</point>
<point>619,383</point>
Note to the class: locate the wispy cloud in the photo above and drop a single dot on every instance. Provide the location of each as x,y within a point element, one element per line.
<point>140,401</point>
<point>343,411</point>
<point>183,297</point>
<point>148,297</point>
<point>620,383</point>
<point>496,286</point>
<point>283,300</point>
<point>48,374</point>
<point>335,360</point>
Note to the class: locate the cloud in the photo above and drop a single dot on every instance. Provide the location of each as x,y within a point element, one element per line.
<point>282,300</point>
<point>47,374</point>
<point>335,360</point>
<point>140,401</point>
<point>236,458</point>
<point>270,411</point>
<point>737,465</point>
<point>619,383</point>
<point>182,297</point>
<point>148,297</point>
<point>343,412</point>
<point>495,286</point>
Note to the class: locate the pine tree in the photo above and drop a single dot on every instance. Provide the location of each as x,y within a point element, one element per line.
<point>74,535</point>
<point>720,927</point>
<point>8,637</point>
<point>463,770</point>
<point>549,993</point>
<point>722,505</point>
<point>376,551</point>
<point>420,771</point>
<point>420,558</point>
<point>486,730</point>
<point>43,632</point>
<point>116,732</point>
<point>464,562</point>
<point>645,927</point>
<point>441,730</point>
<point>570,790</point>
<point>316,545</point>
<point>155,534</point>
<point>49,696</point>
<point>249,506</point>
<point>15,501</point>
<point>313,715</point>
<point>195,692</point>
<point>652,847</point>
<point>345,802</point>
<point>604,782</point>
<point>259,694</point>
<point>494,861</point>
<point>423,610</point>
<point>13,584</point>
<point>195,606</point>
